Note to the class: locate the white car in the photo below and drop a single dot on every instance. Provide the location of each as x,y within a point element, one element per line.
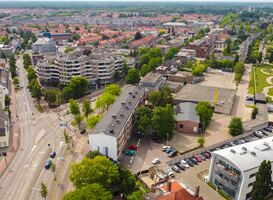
<point>171,174</point>
<point>183,162</point>
<point>156,161</point>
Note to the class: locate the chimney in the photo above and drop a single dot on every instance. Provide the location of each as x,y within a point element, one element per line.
<point>197,189</point>
<point>169,186</point>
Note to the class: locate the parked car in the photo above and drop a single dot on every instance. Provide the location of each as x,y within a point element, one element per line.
<point>164,148</point>
<point>172,153</point>
<point>202,157</point>
<point>193,160</point>
<point>257,134</point>
<point>52,154</point>
<point>265,133</point>
<point>268,129</point>
<point>207,156</point>
<point>83,131</point>
<point>169,150</point>
<point>197,158</point>
<point>133,147</point>
<point>183,162</point>
<point>48,164</point>
<point>180,166</point>
<point>156,161</point>
<point>171,174</point>
<point>130,152</point>
<point>175,168</point>
<point>189,162</point>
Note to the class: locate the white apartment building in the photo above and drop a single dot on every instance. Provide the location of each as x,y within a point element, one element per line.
<point>97,68</point>
<point>111,134</point>
<point>45,46</point>
<point>233,169</point>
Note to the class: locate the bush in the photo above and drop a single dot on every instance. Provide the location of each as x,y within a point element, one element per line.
<point>254,113</point>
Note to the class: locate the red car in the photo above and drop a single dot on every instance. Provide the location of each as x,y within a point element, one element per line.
<point>133,147</point>
<point>198,158</point>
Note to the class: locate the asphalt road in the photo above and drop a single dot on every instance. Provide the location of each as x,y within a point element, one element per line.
<point>37,130</point>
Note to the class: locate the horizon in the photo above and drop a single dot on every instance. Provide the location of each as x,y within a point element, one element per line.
<point>165,1</point>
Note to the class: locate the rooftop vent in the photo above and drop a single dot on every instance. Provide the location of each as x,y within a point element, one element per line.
<point>244,148</point>
<point>126,107</point>
<point>134,96</point>
<point>112,131</point>
<point>121,114</point>
<point>112,125</point>
<point>130,93</point>
<point>118,121</point>
<point>123,103</point>
<point>129,102</point>
<point>266,144</point>
<point>253,153</point>
<point>136,92</point>
<point>114,116</point>
<point>232,150</point>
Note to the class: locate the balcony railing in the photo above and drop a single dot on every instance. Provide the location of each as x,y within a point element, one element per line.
<point>228,173</point>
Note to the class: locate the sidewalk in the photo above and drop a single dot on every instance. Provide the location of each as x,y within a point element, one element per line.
<point>14,138</point>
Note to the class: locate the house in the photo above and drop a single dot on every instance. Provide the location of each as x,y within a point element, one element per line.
<point>202,48</point>
<point>233,170</point>
<point>187,120</point>
<point>185,55</point>
<point>111,134</point>
<point>181,77</point>
<point>174,191</point>
<point>4,131</point>
<point>152,81</point>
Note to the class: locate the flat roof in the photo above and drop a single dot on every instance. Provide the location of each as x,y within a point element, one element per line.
<point>187,112</point>
<point>151,77</point>
<point>249,155</point>
<point>196,93</point>
<point>116,117</point>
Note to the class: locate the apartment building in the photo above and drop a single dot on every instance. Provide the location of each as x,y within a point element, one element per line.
<point>98,68</point>
<point>44,46</point>
<point>202,47</point>
<point>233,169</point>
<point>152,81</point>
<point>4,131</point>
<point>111,134</point>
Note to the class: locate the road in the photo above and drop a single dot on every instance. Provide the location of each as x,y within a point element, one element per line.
<point>37,130</point>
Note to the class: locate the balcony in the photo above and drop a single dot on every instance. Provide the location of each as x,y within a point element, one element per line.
<point>224,181</point>
<point>228,173</point>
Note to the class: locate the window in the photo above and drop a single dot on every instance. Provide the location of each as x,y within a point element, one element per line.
<point>248,195</point>
<point>250,184</point>
<point>252,175</point>
<point>106,151</point>
<point>181,126</point>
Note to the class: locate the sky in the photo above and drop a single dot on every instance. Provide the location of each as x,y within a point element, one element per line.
<point>255,1</point>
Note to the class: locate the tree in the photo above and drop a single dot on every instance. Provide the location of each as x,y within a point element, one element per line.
<point>207,29</point>
<point>107,99</point>
<point>154,63</point>
<point>31,74</point>
<point>35,90</point>
<point>143,119</point>
<point>43,190</point>
<point>86,107</point>
<point>53,169</point>
<point>263,183</point>
<point>26,60</point>
<point>163,122</point>
<point>254,112</point>
<point>145,69</point>
<point>91,191</point>
<point>154,97</point>
<point>143,50</point>
<point>93,154</point>
<point>201,141</point>
<point>116,76</point>
<point>92,121</point>
<point>12,66</point>
<point>98,170</point>
<point>136,195</point>
<point>239,70</point>
<point>155,52</point>
<point>128,184</point>
<point>76,36</point>
<point>260,57</point>
<point>15,81</point>
<point>137,36</point>
<point>205,112</point>
<point>50,96</point>
<point>132,77</point>
<point>74,107</point>
<point>78,85</point>
<point>144,59</point>
<point>69,49</point>
<point>236,59</point>
<point>113,89</point>
<point>67,93</point>
<point>236,126</point>
<point>269,29</point>
<point>171,53</point>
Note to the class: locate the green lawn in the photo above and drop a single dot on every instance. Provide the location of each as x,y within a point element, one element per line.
<point>260,78</point>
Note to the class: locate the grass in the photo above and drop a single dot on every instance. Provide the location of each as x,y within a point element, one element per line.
<point>270,92</point>
<point>260,78</point>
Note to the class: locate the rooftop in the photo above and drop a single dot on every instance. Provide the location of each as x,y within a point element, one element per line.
<point>151,77</point>
<point>116,117</point>
<point>249,155</point>
<point>187,112</point>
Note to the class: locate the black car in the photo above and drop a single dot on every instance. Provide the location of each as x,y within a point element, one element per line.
<point>169,150</point>
<point>52,154</point>
<point>83,131</point>
<point>182,167</point>
<point>268,129</point>
<point>190,163</point>
<point>172,153</point>
<point>194,161</point>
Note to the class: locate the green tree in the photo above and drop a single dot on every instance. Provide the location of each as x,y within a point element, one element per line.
<point>143,50</point>
<point>254,112</point>
<point>163,122</point>
<point>79,86</point>
<point>116,76</point>
<point>269,29</point>
<point>145,69</point>
<point>205,112</point>
<point>128,184</point>
<point>144,59</point>
<point>136,195</point>
<point>107,99</point>
<point>260,57</point>
<point>35,90</point>
<point>132,77</point>
<point>15,81</point>
<point>76,36</point>
<point>113,89</point>
<point>67,93</point>
<point>74,107</point>
<point>91,191</point>
<point>154,63</point>
<point>201,141</point>
<point>236,126</point>
<point>50,96</point>
<point>93,154</point>
<point>92,121</point>
<point>31,74</point>
<point>26,60</point>
<point>154,97</point>
<point>43,190</point>
<point>239,70</point>
<point>171,53</point>
<point>263,183</point>
<point>86,107</point>
<point>98,170</point>
<point>143,119</point>
<point>155,52</point>
<point>69,49</point>
<point>12,66</point>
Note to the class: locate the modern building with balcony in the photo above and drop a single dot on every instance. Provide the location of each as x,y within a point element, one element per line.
<point>98,68</point>
<point>233,169</point>
<point>111,134</point>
